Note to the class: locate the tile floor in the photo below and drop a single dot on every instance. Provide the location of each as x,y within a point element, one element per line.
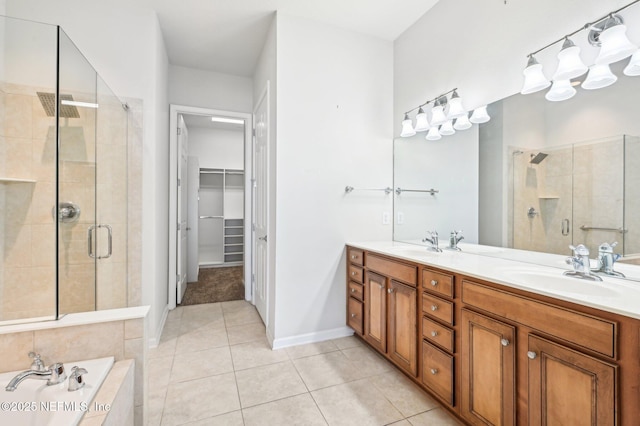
<point>213,366</point>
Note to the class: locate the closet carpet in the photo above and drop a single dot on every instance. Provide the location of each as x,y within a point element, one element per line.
<point>215,285</point>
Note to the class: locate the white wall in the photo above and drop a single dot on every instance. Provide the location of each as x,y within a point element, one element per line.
<point>334,129</point>
<point>266,74</point>
<point>206,89</point>
<point>122,40</point>
<point>217,148</point>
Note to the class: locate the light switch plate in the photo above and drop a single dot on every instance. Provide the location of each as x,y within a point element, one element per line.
<point>400,218</point>
<point>386,218</point>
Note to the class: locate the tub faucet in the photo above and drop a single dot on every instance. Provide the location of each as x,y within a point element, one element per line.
<point>454,239</point>
<point>433,240</point>
<point>53,375</point>
<point>581,264</point>
<point>606,259</point>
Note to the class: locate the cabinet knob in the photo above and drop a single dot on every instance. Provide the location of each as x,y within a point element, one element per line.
<point>532,355</point>
<point>381,285</point>
<point>434,371</point>
<point>434,307</point>
<point>390,291</point>
<point>434,333</point>
<point>353,315</point>
<point>353,256</point>
<point>353,290</point>
<point>353,272</point>
<point>434,283</point>
<point>505,342</point>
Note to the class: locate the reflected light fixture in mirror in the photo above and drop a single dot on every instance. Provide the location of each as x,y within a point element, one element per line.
<point>422,124</point>
<point>633,68</point>
<point>462,123</point>
<point>599,76</point>
<point>433,134</point>
<point>561,90</point>
<point>447,128</point>
<point>615,45</point>
<point>480,115</point>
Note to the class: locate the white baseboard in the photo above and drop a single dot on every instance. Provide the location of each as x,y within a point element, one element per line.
<point>155,341</point>
<point>318,336</point>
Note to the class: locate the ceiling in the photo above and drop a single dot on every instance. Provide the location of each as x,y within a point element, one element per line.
<point>227,35</point>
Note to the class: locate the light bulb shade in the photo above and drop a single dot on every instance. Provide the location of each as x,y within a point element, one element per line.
<point>599,76</point>
<point>455,107</point>
<point>560,91</point>
<point>615,45</point>
<point>447,128</point>
<point>534,79</point>
<point>462,123</point>
<point>433,134</point>
<point>480,115</point>
<point>422,124</point>
<point>570,64</point>
<point>437,115</point>
<point>407,127</point>
<point>633,68</point>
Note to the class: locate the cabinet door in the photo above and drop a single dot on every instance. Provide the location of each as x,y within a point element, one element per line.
<point>375,321</point>
<point>569,387</point>
<point>403,334</point>
<point>487,370</point>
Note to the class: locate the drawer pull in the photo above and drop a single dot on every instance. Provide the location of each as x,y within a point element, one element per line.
<point>353,290</point>
<point>353,273</point>
<point>434,333</point>
<point>532,355</point>
<point>353,315</point>
<point>434,307</point>
<point>381,286</point>
<point>353,256</point>
<point>434,371</point>
<point>505,342</point>
<point>390,291</point>
<point>434,283</point>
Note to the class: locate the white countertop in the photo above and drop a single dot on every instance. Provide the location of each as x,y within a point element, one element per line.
<point>612,294</point>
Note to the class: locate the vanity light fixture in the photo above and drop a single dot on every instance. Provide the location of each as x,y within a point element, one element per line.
<point>422,124</point>
<point>480,115</point>
<point>609,34</point>
<point>447,116</point>
<point>599,76</point>
<point>407,127</point>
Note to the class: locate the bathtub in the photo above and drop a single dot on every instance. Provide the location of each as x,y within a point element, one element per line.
<point>34,403</point>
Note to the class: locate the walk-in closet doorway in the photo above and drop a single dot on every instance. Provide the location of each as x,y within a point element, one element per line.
<point>210,206</point>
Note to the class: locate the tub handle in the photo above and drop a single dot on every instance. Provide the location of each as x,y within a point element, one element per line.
<point>76,381</point>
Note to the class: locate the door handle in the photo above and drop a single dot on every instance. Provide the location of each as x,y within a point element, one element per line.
<point>565,227</point>
<point>90,241</point>
<point>109,241</point>
<point>263,238</point>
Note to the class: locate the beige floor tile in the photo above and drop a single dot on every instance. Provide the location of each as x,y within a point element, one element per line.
<point>243,315</point>
<point>268,383</point>
<point>348,342</point>
<point>195,365</point>
<point>310,349</point>
<point>356,403</point>
<point>201,339</point>
<point>405,395</point>
<point>246,333</point>
<point>296,410</point>
<point>324,370</point>
<point>175,314</point>
<point>255,354</point>
<point>435,417</point>
<point>164,349</point>
<point>196,317</point>
<point>200,399</point>
<point>230,419</point>
<point>234,305</point>
<point>404,422</point>
<point>159,371</point>
<point>370,362</point>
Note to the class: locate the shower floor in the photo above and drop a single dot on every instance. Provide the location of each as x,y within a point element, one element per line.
<point>215,285</point>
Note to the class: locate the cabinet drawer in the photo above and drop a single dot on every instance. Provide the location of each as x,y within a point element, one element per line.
<point>436,307</point>
<point>437,282</point>
<point>590,332</point>
<point>356,273</point>
<point>355,256</point>
<point>356,290</point>
<point>438,334</point>
<point>355,315</point>
<point>437,371</point>
<point>399,271</point>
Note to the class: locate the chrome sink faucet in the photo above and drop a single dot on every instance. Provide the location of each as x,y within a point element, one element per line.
<point>53,375</point>
<point>581,264</point>
<point>433,240</point>
<point>606,259</point>
<point>454,239</point>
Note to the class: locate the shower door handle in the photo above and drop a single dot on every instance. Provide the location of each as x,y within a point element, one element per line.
<point>565,227</point>
<point>90,241</point>
<point>109,241</point>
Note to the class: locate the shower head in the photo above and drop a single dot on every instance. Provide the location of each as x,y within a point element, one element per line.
<point>537,158</point>
<point>48,101</point>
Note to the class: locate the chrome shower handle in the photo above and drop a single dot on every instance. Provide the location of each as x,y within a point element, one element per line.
<point>90,241</point>
<point>109,241</point>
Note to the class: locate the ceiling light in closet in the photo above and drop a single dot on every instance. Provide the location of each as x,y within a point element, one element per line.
<point>227,120</point>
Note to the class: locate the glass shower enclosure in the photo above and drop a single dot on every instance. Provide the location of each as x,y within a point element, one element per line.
<point>63,179</point>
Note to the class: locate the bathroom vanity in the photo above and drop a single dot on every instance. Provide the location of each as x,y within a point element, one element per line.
<point>497,341</point>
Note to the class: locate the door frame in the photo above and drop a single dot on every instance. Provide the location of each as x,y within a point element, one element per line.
<point>174,111</point>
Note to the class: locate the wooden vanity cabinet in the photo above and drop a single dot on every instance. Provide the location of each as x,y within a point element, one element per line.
<point>355,290</point>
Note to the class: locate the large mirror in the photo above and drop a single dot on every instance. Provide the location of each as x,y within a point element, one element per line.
<point>537,177</point>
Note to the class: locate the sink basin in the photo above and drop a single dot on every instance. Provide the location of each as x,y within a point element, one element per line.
<point>419,251</point>
<point>558,283</point>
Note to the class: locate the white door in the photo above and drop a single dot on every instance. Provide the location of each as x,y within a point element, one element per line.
<point>260,267</point>
<point>193,189</point>
<point>181,238</point>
